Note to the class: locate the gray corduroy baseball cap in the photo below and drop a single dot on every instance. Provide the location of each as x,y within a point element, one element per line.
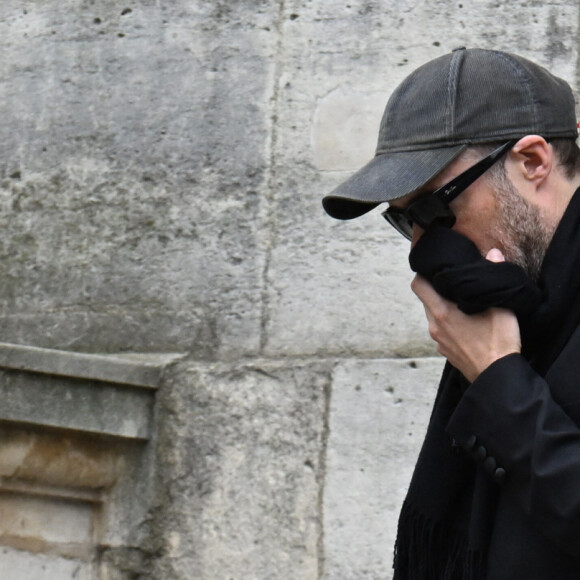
<point>465,97</point>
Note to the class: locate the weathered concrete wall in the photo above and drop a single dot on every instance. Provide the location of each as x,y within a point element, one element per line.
<point>161,169</point>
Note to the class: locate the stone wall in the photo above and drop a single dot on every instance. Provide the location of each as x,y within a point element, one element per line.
<point>161,169</point>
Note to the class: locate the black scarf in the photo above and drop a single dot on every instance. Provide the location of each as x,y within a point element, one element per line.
<point>446,519</point>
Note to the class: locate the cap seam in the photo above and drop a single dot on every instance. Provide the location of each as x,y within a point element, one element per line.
<point>452,76</point>
<point>526,81</point>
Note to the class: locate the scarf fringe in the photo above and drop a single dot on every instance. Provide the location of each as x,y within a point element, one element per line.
<point>428,550</point>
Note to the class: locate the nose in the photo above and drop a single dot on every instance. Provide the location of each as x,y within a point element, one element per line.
<point>417,233</point>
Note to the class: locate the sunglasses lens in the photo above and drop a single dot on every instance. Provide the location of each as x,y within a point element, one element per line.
<point>430,209</point>
<point>399,221</point>
<point>423,212</point>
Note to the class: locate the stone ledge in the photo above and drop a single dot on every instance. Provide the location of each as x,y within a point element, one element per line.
<point>141,370</point>
<point>110,395</point>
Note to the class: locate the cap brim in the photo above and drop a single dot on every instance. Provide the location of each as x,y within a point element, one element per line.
<point>387,177</point>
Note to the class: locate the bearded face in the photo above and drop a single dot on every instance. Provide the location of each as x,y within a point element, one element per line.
<point>522,230</point>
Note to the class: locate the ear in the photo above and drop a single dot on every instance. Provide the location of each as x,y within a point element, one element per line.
<point>531,160</point>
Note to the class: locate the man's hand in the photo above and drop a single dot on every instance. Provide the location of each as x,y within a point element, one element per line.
<point>469,342</point>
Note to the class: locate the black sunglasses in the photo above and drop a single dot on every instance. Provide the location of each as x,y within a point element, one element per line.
<point>434,207</point>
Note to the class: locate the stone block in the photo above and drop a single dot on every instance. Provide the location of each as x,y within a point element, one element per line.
<point>33,523</point>
<point>378,417</point>
<point>72,404</point>
<point>240,470</point>
<point>61,465</point>
<point>98,394</point>
<point>133,155</point>
<point>21,565</point>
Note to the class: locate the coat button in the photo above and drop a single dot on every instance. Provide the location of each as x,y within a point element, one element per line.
<point>481,453</point>
<point>499,474</point>
<point>489,465</point>
<point>470,443</point>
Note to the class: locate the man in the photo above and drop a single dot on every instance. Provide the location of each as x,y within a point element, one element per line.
<point>478,162</point>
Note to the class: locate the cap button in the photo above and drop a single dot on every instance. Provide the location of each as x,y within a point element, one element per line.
<point>458,48</point>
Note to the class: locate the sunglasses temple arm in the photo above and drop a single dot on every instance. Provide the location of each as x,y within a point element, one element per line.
<point>452,189</point>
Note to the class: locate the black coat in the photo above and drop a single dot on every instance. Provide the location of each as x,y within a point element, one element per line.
<point>526,430</point>
<point>496,489</point>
